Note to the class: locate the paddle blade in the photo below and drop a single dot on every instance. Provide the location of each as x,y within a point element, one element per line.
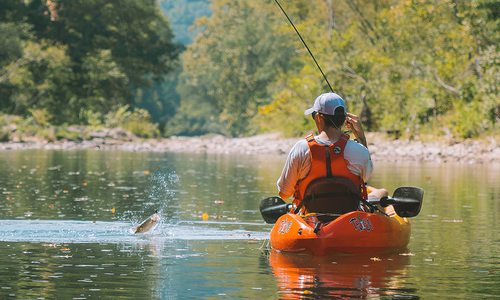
<point>408,201</point>
<point>272,208</point>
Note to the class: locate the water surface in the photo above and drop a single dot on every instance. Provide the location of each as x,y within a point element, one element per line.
<point>65,218</point>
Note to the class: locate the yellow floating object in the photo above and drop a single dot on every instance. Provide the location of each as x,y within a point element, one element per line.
<point>113,210</point>
<point>204,216</point>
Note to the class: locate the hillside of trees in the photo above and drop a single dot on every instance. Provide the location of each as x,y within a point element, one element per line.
<point>236,67</point>
<point>413,67</point>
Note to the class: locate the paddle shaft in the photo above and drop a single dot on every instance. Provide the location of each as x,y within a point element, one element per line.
<point>386,201</point>
<point>280,208</point>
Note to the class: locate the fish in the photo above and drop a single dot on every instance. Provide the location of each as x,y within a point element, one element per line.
<point>147,225</point>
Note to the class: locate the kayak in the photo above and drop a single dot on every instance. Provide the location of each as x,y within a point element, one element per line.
<point>384,229</point>
<point>353,232</point>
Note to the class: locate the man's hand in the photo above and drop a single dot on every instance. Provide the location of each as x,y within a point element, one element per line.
<point>354,124</point>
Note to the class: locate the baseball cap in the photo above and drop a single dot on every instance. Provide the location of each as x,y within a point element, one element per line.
<point>326,104</point>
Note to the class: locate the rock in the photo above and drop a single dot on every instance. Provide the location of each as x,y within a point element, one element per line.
<point>381,148</point>
<point>99,134</point>
<point>120,134</point>
<point>113,133</point>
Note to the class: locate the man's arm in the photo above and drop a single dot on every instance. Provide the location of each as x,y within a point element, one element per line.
<point>296,167</point>
<point>354,124</point>
<point>359,160</point>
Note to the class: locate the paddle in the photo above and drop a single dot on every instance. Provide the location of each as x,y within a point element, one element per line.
<point>406,200</point>
<point>272,208</point>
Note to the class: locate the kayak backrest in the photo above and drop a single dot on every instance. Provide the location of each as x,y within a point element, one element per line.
<point>332,195</point>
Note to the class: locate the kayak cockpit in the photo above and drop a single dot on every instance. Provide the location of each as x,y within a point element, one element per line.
<point>331,197</point>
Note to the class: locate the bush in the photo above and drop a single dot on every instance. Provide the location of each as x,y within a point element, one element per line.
<point>4,134</point>
<point>91,118</point>
<point>8,125</point>
<point>67,133</point>
<point>40,117</point>
<point>136,121</point>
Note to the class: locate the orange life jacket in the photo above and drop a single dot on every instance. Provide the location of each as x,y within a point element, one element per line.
<point>320,155</point>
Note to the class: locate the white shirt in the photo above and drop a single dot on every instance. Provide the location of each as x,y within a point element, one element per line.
<point>298,164</point>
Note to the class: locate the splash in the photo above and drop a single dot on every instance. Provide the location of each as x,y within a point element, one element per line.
<point>160,198</point>
<point>59,231</point>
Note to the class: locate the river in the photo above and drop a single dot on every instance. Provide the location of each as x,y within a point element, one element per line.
<point>65,219</point>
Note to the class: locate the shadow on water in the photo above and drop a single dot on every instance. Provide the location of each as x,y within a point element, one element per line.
<point>302,276</point>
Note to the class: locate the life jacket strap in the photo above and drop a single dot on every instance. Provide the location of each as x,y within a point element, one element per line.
<point>328,162</point>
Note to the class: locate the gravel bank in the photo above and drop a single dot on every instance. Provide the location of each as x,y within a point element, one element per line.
<point>381,148</point>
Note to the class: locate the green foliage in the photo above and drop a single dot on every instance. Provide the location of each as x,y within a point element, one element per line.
<point>234,61</point>
<point>136,121</point>
<point>194,119</point>
<point>136,33</point>
<point>105,83</point>
<point>11,35</point>
<point>69,57</point>
<point>4,134</point>
<point>37,126</point>
<point>420,66</point>
<point>286,112</point>
<point>40,117</point>
<point>34,79</point>
<point>161,99</point>
<point>416,63</point>
<point>33,128</point>
<point>70,134</point>
<point>8,124</point>
<point>93,119</point>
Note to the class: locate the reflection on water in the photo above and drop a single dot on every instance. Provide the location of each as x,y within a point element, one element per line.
<point>65,219</point>
<point>359,276</point>
<point>31,270</point>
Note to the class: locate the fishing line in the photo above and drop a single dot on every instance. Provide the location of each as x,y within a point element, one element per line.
<point>298,33</point>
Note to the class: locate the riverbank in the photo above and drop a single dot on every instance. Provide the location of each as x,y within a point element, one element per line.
<point>382,148</point>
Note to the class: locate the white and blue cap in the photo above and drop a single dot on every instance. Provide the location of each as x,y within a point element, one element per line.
<point>326,104</point>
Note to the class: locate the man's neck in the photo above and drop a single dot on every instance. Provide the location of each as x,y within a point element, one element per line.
<point>332,134</point>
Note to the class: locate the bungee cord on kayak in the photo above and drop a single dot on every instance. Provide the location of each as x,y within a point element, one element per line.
<point>304,42</point>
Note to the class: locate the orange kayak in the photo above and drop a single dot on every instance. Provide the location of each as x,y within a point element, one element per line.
<point>353,232</point>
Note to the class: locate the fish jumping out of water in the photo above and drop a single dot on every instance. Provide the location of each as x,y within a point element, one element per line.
<point>148,224</point>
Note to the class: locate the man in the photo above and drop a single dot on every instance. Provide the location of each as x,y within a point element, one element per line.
<point>329,113</point>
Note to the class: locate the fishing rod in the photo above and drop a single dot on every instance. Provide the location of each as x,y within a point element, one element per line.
<point>304,42</point>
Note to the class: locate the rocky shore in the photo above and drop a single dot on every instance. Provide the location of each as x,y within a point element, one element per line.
<point>381,148</point>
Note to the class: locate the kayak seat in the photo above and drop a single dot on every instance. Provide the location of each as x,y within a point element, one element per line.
<point>333,196</point>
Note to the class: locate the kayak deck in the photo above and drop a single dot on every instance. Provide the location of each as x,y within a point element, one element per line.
<point>353,232</point>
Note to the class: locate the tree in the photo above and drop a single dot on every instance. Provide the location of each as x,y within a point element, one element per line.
<point>234,61</point>
<point>93,54</point>
<point>418,65</point>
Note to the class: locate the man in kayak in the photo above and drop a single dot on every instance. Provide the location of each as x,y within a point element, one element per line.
<point>307,159</point>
